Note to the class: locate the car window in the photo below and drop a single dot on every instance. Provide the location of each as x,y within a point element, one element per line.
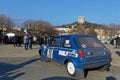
<point>66,42</point>
<point>90,42</point>
<point>54,42</point>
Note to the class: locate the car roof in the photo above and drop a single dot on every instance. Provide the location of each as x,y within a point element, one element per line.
<point>73,35</point>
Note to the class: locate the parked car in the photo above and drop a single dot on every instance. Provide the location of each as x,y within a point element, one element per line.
<point>77,52</point>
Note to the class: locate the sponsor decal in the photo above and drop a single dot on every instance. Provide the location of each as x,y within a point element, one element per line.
<point>66,53</point>
<point>63,53</point>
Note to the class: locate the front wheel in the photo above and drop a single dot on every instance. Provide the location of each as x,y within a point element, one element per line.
<point>73,71</point>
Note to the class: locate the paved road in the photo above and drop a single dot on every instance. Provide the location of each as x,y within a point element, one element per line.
<point>19,64</point>
<point>10,51</point>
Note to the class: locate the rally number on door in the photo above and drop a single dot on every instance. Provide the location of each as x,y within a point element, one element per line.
<point>50,53</point>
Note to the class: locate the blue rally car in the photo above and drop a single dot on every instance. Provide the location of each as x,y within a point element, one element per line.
<point>77,52</point>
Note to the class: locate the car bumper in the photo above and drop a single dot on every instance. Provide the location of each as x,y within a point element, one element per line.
<point>96,64</point>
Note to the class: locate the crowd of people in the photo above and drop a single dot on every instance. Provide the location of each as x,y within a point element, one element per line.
<point>27,40</point>
<point>116,41</point>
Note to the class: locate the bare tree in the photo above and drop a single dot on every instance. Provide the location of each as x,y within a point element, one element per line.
<point>5,23</point>
<point>39,27</point>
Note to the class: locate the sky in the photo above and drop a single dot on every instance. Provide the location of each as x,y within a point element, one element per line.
<point>60,12</point>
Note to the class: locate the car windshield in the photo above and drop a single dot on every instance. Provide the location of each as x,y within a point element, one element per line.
<point>90,42</point>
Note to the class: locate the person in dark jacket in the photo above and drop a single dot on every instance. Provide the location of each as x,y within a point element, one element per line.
<point>15,41</point>
<point>117,39</point>
<point>30,41</point>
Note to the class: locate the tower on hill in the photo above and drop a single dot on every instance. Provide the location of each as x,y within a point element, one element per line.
<point>81,19</point>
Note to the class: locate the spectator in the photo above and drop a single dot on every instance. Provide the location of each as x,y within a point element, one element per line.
<point>26,41</point>
<point>117,42</point>
<point>19,40</point>
<point>6,39</point>
<point>15,41</point>
<point>30,41</point>
<point>112,41</point>
<point>42,40</point>
<point>39,39</point>
<point>0,39</point>
<point>34,39</point>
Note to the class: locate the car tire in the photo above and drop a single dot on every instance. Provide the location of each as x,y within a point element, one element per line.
<point>70,68</point>
<point>73,71</point>
<point>104,68</point>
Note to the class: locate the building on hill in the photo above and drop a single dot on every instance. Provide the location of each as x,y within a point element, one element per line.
<point>63,29</point>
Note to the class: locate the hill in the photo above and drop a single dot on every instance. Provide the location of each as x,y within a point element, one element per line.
<point>76,24</point>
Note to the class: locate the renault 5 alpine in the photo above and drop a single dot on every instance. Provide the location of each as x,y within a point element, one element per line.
<point>78,52</point>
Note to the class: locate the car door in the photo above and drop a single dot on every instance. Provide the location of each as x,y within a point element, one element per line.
<point>66,49</point>
<point>53,48</point>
